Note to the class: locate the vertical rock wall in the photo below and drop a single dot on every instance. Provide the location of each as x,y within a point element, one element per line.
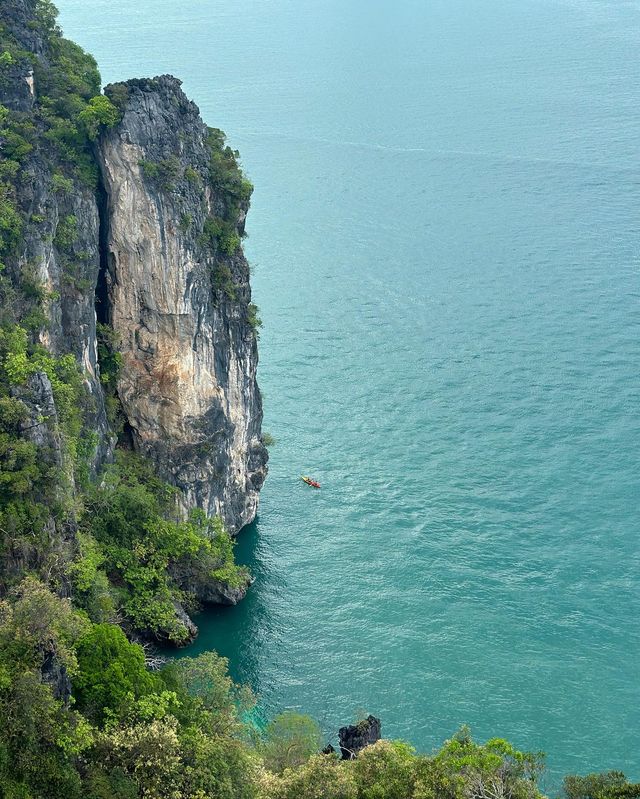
<point>178,295</point>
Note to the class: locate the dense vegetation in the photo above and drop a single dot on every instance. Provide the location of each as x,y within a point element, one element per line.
<point>93,564</point>
<point>184,732</point>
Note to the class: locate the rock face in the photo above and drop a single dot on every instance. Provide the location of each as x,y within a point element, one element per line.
<point>178,298</point>
<point>355,737</point>
<point>59,254</point>
<point>54,673</point>
<point>193,580</point>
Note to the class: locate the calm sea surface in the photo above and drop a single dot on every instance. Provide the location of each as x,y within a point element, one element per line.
<point>446,239</point>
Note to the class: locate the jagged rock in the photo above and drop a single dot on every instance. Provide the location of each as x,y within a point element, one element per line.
<point>191,630</point>
<point>194,579</point>
<point>188,383</point>
<point>355,737</point>
<point>41,425</point>
<point>54,673</point>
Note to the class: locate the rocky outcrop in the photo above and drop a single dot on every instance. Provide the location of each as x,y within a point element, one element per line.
<point>54,673</point>
<point>177,287</point>
<point>191,631</point>
<point>355,737</point>
<point>40,425</point>
<point>196,581</point>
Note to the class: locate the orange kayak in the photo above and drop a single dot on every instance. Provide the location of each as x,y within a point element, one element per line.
<point>310,482</point>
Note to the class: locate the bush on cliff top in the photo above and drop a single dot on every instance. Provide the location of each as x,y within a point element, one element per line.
<point>99,114</point>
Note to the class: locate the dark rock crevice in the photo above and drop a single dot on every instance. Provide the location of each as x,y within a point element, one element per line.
<point>102,290</point>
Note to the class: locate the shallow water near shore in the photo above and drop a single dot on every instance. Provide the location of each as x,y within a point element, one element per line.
<point>446,241</point>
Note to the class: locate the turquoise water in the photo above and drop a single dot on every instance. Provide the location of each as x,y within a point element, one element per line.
<point>445,232</point>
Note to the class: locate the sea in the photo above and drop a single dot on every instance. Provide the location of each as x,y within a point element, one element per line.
<point>445,245</point>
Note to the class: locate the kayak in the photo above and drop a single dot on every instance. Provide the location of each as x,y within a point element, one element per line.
<point>310,482</point>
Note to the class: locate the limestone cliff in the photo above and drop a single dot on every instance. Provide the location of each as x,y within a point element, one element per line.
<point>178,298</point>
<point>121,223</point>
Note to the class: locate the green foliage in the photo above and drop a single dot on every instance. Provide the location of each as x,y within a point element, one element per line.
<point>19,469</point>
<point>61,184</point>
<point>100,113</point>
<point>149,169</point>
<point>118,93</point>
<point>497,762</point>
<point>268,440</point>
<point>66,79</point>
<point>31,284</point>
<point>148,754</point>
<point>255,323</point>
<point>594,786</point>
<point>627,791</point>
<point>222,233</point>
<point>192,176</point>
<point>385,770</point>
<point>34,484</point>
<point>163,173</point>
<point>65,91</point>
<point>219,235</point>
<point>111,673</point>
<point>39,738</point>
<point>391,770</point>
<point>110,361</point>
<point>225,174</point>
<point>36,621</point>
<point>223,281</point>
<point>208,692</point>
<point>35,738</point>
<point>129,515</point>
<point>10,222</point>
<point>321,777</point>
<point>90,581</point>
<point>185,222</point>
<point>66,233</point>
<point>18,362</point>
<point>289,741</point>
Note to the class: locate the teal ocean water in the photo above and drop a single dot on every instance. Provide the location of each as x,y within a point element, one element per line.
<point>446,239</point>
